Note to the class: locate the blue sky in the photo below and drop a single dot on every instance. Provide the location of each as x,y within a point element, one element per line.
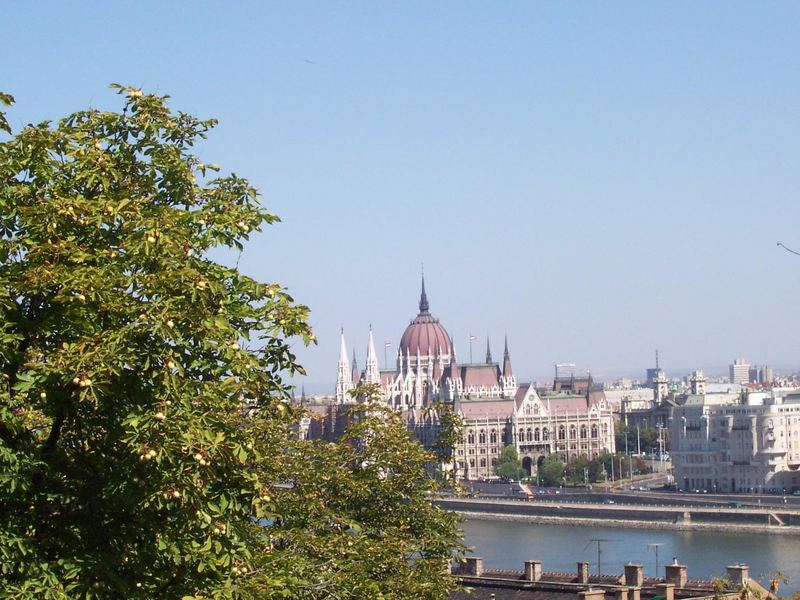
<point>595,179</point>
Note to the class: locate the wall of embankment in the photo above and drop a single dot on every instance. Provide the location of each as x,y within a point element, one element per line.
<point>627,517</point>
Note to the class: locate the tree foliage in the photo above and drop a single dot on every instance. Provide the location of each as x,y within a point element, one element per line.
<point>509,465</point>
<point>146,446</point>
<point>450,433</point>
<point>552,470</point>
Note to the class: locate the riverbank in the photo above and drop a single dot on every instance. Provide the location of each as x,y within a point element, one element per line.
<point>632,523</point>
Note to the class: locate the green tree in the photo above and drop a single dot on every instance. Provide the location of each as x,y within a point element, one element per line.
<point>365,525</point>
<point>509,465</point>
<point>574,470</point>
<point>146,446</point>
<point>450,433</point>
<point>552,470</point>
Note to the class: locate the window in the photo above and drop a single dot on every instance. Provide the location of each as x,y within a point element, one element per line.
<point>594,431</point>
<point>537,434</point>
<point>493,436</point>
<point>482,437</point>
<point>470,438</point>
<point>562,432</point>
<point>583,432</point>
<point>483,462</point>
<point>529,435</point>
<point>545,434</point>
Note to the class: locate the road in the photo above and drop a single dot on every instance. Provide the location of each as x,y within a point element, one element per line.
<point>636,497</point>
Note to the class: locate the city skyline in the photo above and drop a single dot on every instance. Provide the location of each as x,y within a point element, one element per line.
<point>357,342</point>
<point>595,181</point>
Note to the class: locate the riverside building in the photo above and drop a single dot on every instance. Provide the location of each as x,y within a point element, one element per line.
<point>497,411</point>
<point>737,447</point>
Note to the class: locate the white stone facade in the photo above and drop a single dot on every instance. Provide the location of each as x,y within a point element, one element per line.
<point>737,447</point>
<point>496,411</point>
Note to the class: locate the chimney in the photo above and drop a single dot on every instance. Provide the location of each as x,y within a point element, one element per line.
<point>533,570</point>
<point>634,575</point>
<point>738,574</point>
<point>583,572</point>
<point>676,574</point>
<point>666,590</point>
<point>592,595</point>
<point>473,565</point>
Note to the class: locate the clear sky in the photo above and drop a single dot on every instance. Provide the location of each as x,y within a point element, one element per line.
<point>596,179</point>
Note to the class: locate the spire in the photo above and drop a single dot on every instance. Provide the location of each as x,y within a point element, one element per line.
<point>344,381</point>
<point>488,351</point>
<point>423,299</point>
<point>356,375</point>
<point>371,373</point>
<point>452,374</point>
<point>506,360</point>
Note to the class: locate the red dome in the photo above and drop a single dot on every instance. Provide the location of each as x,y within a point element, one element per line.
<point>425,334</point>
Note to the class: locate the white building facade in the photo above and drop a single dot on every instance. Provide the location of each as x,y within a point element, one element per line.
<point>736,447</point>
<point>496,411</point>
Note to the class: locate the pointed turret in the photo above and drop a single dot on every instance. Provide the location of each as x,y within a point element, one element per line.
<point>371,372</point>
<point>356,374</point>
<point>508,379</point>
<point>344,381</point>
<point>452,370</point>
<point>488,352</point>
<point>423,300</point>
<point>506,360</point>
<point>437,363</point>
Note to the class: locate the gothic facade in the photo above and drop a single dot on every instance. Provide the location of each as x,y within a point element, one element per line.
<point>497,411</point>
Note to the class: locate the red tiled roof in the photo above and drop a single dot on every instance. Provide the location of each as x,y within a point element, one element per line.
<point>566,404</point>
<point>480,375</point>
<point>501,407</point>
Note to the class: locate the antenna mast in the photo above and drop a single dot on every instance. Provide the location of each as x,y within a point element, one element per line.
<point>598,541</point>
<point>655,547</point>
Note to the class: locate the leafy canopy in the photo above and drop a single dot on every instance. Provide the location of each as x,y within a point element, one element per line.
<point>509,465</point>
<point>146,448</point>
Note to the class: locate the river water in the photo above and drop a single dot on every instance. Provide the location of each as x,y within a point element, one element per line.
<point>507,545</point>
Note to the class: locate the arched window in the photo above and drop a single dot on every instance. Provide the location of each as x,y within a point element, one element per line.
<point>562,432</point>
<point>537,434</point>
<point>583,432</point>
<point>545,434</point>
<point>605,428</point>
<point>482,437</point>
<point>594,430</point>
<point>470,438</point>
<point>529,436</point>
<point>483,462</point>
<point>493,436</point>
<point>573,432</point>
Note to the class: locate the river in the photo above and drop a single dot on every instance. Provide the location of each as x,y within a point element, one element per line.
<point>508,544</point>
